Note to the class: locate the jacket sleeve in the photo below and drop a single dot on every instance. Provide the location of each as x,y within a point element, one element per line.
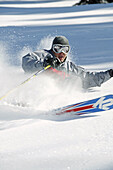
<point>89,79</point>
<point>33,62</point>
<point>93,79</point>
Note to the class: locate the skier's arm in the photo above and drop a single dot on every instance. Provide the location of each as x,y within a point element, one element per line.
<point>37,60</point>
<point>93,79</point>
<point>89,79</point>
<point>31,62</point>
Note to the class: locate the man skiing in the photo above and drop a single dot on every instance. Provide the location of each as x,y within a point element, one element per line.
<point>57,58</point>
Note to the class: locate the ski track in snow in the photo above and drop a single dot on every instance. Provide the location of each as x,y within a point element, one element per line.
<point>31,136</point>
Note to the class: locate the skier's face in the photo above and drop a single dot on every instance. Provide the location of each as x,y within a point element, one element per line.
<point>60,51</point>
<point>61,56</point>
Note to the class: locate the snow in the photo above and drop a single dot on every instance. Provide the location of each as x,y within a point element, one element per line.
<point>30,138</point>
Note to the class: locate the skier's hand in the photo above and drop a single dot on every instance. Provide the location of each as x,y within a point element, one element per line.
<point>50,60</point>
<point>111,72</point>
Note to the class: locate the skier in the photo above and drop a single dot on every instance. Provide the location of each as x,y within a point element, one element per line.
<point>57,58</point>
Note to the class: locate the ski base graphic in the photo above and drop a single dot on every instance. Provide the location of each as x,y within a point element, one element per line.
<point>91,106</point>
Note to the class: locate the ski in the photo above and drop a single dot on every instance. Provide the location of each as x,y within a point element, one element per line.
<point>90,106</point>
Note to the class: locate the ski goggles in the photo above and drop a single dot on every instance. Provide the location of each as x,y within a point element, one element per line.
<point>58,48</point>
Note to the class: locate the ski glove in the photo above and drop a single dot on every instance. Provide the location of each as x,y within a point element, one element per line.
<point>111,72</point>
<point>50,60</point>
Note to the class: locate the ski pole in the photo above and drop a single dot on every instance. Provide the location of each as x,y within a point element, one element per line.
<point>34,75</point>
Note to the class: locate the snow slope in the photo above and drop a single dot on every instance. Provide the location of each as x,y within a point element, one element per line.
<point>30,139</point>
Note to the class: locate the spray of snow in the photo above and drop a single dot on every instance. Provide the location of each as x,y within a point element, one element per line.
<point>29,140</point>
<point>47,92</point>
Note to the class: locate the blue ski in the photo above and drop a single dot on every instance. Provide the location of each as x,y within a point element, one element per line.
<point>91,106</point>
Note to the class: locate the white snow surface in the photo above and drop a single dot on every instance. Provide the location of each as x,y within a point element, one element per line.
<point>31,138</point>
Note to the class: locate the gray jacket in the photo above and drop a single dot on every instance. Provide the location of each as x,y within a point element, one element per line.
<point>33,62</point>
